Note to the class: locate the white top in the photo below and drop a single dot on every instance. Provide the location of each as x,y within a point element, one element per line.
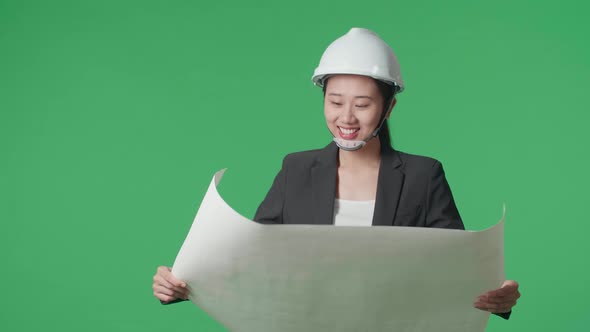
<point>353,213</point>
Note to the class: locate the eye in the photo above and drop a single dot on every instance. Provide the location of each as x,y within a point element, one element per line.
<point>336,103</point>
<point>362,106</point>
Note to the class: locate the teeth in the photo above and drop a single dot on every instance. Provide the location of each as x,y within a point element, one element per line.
<point>346,131</point>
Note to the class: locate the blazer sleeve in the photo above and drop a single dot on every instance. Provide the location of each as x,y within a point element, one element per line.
<point>270,211</point>
<point>441,211</point>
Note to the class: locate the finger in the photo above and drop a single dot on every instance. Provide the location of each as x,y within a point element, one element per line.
<point>163,290</point>
<point>486,306</point>
<point>502,291</point>
<point>480,306</point>
<point>161,274</point>
<point>172,279</point>
<point>501,298</point>
<point>184,294</point>
<point>510,286</point>
<point>166,273</point>
<point>511,283</point>
<point>163,297</point>
<point>168,285</point>
<point>166,298</point>
<point>169,292</point>
<point>160,280</point>
<point>507,290</point>
<point>163,270</point>
<point>498,299</point>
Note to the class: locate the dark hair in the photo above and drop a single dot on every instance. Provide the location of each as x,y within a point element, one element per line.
<point>388,93</point>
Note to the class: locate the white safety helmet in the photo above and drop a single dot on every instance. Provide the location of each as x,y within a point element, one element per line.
<point>359,52</point>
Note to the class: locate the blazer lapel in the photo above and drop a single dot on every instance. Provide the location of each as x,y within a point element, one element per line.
<point>323,181</point>
<point>389,187</point>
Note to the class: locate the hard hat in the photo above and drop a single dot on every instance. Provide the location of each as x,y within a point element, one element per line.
<point>359,52</point>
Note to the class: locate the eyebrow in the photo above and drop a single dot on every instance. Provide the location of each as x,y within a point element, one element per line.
<point>340,95</point>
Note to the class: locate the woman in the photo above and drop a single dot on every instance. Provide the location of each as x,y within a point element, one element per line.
<point>359,179</point>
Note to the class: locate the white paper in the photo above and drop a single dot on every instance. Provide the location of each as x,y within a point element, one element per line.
<point>283,278</point>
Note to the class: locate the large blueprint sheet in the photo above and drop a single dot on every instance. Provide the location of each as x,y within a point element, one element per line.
<point>293,278</point>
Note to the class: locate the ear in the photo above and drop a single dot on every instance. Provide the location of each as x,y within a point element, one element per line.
<point>390,108</point>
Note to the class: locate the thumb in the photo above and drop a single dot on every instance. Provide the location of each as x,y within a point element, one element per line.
<point>509,284</point>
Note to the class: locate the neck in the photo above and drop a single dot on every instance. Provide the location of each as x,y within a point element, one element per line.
<point>367,156</point>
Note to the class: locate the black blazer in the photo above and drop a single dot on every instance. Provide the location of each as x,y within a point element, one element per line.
<point>411,191</point>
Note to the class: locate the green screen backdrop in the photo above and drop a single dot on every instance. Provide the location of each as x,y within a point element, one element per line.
<point>114,115</point>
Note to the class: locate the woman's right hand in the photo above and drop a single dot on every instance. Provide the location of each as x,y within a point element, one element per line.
<point>167,288</point>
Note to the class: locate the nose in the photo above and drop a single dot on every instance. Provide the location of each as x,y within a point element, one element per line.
<point>348,114</point>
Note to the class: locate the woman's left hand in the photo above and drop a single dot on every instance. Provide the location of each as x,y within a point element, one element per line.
<point>499,300</point>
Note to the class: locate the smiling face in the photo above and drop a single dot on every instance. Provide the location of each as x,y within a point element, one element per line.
<point>352,106</point>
